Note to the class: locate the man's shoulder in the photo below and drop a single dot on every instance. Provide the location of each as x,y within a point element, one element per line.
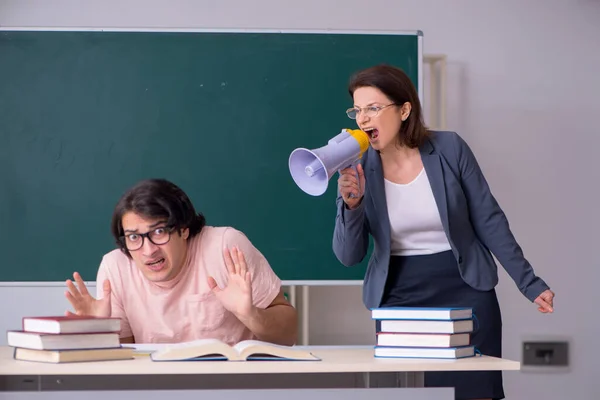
<point>114,265</point>
<point>219,235</point>
<point>114,259</point>
<point>212,239</point>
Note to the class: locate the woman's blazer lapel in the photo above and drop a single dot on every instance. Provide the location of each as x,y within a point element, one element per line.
<point>433,167</point>
<point>376,187</point>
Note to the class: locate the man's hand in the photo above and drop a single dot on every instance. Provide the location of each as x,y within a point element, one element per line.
<point>82,301</point>
<point>236,297</point>
<point>545,301</point>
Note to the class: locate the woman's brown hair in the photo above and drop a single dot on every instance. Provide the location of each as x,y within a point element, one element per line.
<point>397,86</point>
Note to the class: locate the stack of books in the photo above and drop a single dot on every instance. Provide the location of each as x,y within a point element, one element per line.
<point>413,332</point>
<point>68,339</point>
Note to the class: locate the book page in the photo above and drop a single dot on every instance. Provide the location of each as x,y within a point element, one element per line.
<point>144,348</point>
<point>194,343</point>
<point>245,344</point>
<point>196,349</point>
<point>147,348</point>
<point>256,350</point>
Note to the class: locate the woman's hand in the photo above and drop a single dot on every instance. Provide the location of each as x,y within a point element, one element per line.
<point>348,183</point>
<point>545,301</point>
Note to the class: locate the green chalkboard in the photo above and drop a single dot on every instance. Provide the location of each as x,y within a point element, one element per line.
<point>86,114</point>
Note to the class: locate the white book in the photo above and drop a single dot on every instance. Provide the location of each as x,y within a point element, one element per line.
<point>65,341</point>
<point>422,339</point>
<point>71,324</point>
<point>422,326</point>
<point>421,313</point>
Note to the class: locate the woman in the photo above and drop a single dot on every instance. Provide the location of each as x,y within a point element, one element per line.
<point>435,224</point>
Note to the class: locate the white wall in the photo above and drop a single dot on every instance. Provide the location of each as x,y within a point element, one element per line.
<point>523,90</point>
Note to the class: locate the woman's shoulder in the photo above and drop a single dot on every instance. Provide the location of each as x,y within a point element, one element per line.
<point>448,143</point>
<point>444,138</point>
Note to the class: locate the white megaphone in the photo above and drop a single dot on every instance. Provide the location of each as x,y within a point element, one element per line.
<point>312,169</point>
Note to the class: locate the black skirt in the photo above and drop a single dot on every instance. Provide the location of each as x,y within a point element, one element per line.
<point>433,280</point>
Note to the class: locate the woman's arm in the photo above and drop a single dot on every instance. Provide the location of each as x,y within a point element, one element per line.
<point>491,225</point>
<point>350,235</point>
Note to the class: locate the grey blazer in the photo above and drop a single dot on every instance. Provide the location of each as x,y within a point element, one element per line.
<point>474,223</point>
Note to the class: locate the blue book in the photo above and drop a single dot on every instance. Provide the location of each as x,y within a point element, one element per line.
<point>424,352</point>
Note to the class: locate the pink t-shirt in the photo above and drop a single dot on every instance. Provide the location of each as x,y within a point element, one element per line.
<point>185,308</point>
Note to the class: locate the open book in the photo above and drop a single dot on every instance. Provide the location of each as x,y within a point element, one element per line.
<point>215,350</point>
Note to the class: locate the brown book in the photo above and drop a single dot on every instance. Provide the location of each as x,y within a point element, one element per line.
<point>67,356</point>
<point>71,324</point>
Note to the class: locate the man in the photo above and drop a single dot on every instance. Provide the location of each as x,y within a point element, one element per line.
<point>173,279</point>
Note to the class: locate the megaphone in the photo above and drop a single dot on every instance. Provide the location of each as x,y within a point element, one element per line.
<point>312,169</point>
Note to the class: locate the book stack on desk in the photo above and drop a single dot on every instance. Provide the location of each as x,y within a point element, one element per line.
<point>68,339</point>
<point>415,332</point>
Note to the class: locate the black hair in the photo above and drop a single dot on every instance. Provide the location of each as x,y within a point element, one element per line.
<point>157,198</point>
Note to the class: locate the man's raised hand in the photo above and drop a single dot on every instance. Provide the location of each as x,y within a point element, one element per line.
<point>83,302</point>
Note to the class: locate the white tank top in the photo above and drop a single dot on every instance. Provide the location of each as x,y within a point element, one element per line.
<point>415,223</point>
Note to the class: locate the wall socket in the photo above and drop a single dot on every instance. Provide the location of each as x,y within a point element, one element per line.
<point>546,353</point>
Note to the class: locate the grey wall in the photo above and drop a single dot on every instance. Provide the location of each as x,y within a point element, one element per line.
<point>522,89</point>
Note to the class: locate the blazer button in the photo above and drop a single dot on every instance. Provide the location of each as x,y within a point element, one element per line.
<point>460,260</point>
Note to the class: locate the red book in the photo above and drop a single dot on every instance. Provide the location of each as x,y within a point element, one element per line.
<point>71,324</point>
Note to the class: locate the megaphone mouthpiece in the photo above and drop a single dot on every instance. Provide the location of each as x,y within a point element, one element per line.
<point>312,169</point>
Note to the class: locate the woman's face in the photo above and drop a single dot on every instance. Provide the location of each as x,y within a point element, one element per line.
<point>378,116</point>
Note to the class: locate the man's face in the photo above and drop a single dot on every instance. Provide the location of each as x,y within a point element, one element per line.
<point>162,260</point>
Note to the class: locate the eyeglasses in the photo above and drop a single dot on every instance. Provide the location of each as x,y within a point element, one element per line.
<point>370,111</point>
<point>158,236</point>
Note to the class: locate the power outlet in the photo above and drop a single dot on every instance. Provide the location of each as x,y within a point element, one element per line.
<point>546,353</point>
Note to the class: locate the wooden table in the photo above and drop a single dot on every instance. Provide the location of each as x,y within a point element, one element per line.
<point>340,367</point>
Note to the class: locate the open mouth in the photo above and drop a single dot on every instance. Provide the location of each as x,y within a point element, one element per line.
<point>373,133</point>
<point>156,265</point>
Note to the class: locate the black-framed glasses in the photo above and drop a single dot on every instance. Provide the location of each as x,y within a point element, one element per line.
<point>158,236</point>
<point>371,111</point>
